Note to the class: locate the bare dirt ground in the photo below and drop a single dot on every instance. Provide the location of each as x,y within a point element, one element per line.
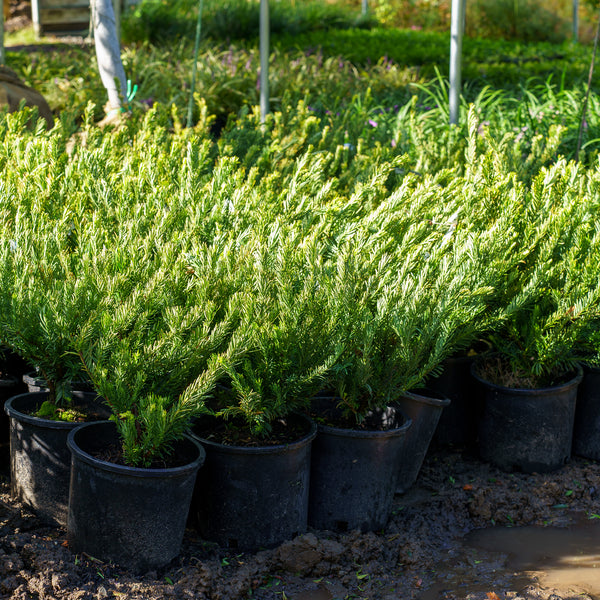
<point>421,553</point>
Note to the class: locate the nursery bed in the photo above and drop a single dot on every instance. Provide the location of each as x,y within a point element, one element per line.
<point>421,553</point>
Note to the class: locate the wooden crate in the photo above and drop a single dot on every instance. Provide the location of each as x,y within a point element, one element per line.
<point>64,17</point>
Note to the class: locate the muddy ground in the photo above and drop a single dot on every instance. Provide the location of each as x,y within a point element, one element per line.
<point>420,554</point>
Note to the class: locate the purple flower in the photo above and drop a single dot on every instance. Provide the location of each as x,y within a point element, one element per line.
<point>482,127</point>
<point>372,123</point>
<point>393,143</point>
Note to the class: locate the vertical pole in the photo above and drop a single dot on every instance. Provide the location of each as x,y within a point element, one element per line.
<point>456,33</point>
<point>365,7</point>
<point>575,20</point>
<point>2,60</point>
<point>117,11</point>
<point>36,17</point>
<point>264,59</point>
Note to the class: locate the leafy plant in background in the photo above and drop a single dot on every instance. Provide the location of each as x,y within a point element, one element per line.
<point>157,21</point>
<point>527,20</point>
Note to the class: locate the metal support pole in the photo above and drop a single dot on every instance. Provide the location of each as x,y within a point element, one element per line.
<point>456,34</point>
<point>575,20</point>
<point>117,10</point>
<point>264,59</point>
<point>365,7</point>
<point>2,56</point>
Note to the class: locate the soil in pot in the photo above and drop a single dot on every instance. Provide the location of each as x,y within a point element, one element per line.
<point>134,517</point>
<point>424,407</point>
<point>40,461</point>
<point>354,468</point>
<point>251,494</point>
<point>529,430</point>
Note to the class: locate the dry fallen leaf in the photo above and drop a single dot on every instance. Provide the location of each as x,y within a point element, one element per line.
<point>492,596</point>
<point>468,487</point>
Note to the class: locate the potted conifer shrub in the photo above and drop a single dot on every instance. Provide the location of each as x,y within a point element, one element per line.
<point>253,490</point>
<point>153,357</point>
<point>44,296</point>
<point>531,376</point>
<point>401,314</point>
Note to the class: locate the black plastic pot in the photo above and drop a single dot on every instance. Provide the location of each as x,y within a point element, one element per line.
<point>39,458</point>
<point>354,473</point>
<point>586,431</point>
<point>424,408</point>
<point>134,517</point>
<point>252,497</point>
<point>530,430</point>
<point>459,420</point>
<point>9,386</point>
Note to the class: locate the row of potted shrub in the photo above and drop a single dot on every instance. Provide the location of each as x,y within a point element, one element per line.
<point>214,311</point>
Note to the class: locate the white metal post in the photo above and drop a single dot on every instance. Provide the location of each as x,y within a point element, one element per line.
<point>2,61</point>
<point>456,34</point>
<point>575,20</point>
<point>264,59</point>
<point>117,11</point>
<point>365,7</point>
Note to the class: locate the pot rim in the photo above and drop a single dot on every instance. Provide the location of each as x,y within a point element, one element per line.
<point>574,381</point>
<point>275,449</point>
<point>427,396</point>
<point>368,433</point>
<point>16,414</point>
<point>124,470</point>
<point>8,381</point>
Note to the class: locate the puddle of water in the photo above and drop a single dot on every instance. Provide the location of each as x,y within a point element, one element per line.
<point>562,558</point>
<point>567,557</point>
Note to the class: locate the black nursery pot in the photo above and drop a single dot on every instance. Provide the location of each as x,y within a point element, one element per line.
<point>9,386</point>
<point>586,432</point>
<point>354,473</point>
<point>530,430</point>
<point>252,497</point>
<point>424,407</point>
<point>39,458</point>
<point>134,517</point>
<point>459,420</point>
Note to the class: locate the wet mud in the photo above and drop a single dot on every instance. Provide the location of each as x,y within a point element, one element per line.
<point>457,533</point>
